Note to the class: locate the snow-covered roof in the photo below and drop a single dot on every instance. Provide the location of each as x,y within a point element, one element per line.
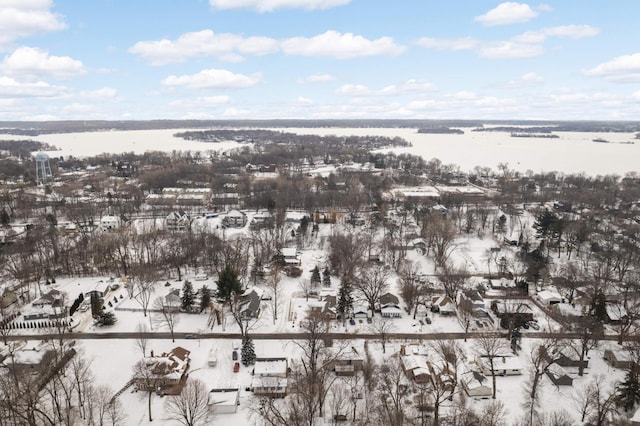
<point>504,362</point>
<point>289,252</point>
<point>412,362</point>
<point>270,367</point>
<point>547,296</point>
<point>222,397</point>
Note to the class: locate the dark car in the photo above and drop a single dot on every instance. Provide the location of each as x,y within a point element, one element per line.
<point>190,336</point>
<point>427,320</point>
<point>234,355</point>
<point>352,321</point>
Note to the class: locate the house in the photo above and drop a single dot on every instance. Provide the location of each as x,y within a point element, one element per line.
<point>346,363</point>
<point>391,310</point>
<point>234,219</point>
<point>224,201</point>
<point>616,313</point>
<point>618,358</point>
<point>416,368</point>
<point>100,289</point>
<point>413,349</point>
<point>262,220</point>
<point>8,298</point>
<point>472,298</point>
<point>250,304</point>
<point>109,223</point>
<point>443,305</point>
<point>270,377</point>
<point>476,385</point>
<point>53,299</point>
<point>290,255</point>
<point>361,312</point>
<point>548,297</point>
<point>565,357</point>
<point>173,300</point>
<point>166,373</point>
<point>503,365</point>
<point>514,313</point>
<point>178,221</point>
<point>224,401</point>
<point>389,298</point>
<point>559,376</point>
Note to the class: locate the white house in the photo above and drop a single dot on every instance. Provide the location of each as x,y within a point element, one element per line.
<point>548,297</point>
<point>270,377</point>
<point>109,223</point>
<point>503,365</point>
<point>224,401</point>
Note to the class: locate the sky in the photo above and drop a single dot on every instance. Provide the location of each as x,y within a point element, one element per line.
<point>319,59</point>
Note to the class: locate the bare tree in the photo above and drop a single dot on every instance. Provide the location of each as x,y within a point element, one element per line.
<point>190,407</point>
<point>166,314</point>
<point>383,327</point>
<point>539,361</point>
<point>142,340</point>
<point>589,334</point>
<point>465,316</point>
<point>144,286</point>
<point>453,280</point>
<point>443,373</point>
<point>145,380</point>
<point>371,284</point>
<point>391,392</point>
<point>338,402</point>
<point>274,285</point>
<point>603,401</point>
<point>491,347</point>
<point>441,234</point>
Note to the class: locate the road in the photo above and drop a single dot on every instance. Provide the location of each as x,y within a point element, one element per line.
<point>301,336</point>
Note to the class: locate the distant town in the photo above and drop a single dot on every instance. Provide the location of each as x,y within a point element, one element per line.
<point>311,280</point>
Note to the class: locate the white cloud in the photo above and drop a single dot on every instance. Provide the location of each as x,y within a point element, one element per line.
<point>636,95</point>
<point>507,13</point>
<point>235,112</point>
<point>620,69</point>
<point>528,79</point>
<point>213,78</point>
<point>333,44</point>
<point>510,49</point>
<point>564,31</point>
<point>413,86</point>
<point>31,62</point>
<point>464,43</point>
<point>317,78</point>
<point>421,104</point>
<point>202,43</point>
<point>463,95</point>
<point>10,87</point>
<point>354,90</point>
<point>304,101</point>
<point>23,18</point>
<point>104,93</point>
<point>271,5</point>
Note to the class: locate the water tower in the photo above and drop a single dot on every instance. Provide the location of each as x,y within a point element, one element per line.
<point>43,169</point>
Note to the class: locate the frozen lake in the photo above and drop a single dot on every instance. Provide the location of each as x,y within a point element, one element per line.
<point>572,152</point>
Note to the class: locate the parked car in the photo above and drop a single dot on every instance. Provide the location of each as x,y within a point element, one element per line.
<point>234,355</point>
<point>427,320</point>
<point>236,367</point>
<point>534,325</point>
<point>190,336</point>
<point>352,321</point>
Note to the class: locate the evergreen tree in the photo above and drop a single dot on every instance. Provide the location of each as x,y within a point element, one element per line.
<point>315,275</point>
<point>187,295</point>
<point>248,354</point>
<point>326,277</point>
<point>628,392</point>
<point>205,298</point>
<point>598,306</point>
<point>345,300</point>
<point>228,283</point>
<point>106,318</point>
<point>96,305</point>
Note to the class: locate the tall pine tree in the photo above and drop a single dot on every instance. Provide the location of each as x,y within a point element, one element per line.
<point>326,277</point>
<point>345,300</point>
<point>228,283</point>
<point>248,352</point>
<point>628,394</point>
<point>205,298</point>
<point>187,296</point>
<point>315,275</point>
